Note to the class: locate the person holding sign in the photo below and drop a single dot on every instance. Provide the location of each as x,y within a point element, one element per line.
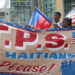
<point>57,17</point>
<point>67,23</point>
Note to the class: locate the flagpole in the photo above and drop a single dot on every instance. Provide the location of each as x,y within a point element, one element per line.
<point>42,5</point>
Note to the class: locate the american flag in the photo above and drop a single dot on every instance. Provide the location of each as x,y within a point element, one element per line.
<point>73,19</point>
<point>73,37</point>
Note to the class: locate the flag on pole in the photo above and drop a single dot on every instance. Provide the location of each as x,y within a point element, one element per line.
<point>40,21</point>
<point>71,15</point>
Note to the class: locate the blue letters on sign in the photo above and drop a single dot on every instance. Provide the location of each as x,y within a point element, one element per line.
<point>39,55</point>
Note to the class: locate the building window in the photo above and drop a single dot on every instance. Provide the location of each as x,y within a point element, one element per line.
<point>21,11</point>
<point>2,15</point>
<point>67,6</point>
<point>49,7</point>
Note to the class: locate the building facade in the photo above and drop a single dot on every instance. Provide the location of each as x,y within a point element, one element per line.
<point>64,6</point>
<point>21,10</point>
<point>5,11</point>
<point>5,14</point>
<point>48,7</point>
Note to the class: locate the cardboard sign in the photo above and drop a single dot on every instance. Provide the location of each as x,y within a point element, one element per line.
<point>25,52</point>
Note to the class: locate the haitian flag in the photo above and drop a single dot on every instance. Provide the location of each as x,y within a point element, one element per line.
<point>40,21</point>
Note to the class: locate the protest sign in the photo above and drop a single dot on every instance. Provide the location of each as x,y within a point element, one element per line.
<point>26,52</point>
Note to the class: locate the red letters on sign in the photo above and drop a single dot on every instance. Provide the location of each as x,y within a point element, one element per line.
<point>12,67</point>
<point>28,68</point>
<point>56,40</point>
<point>35,68</point>
<point>20,39</point>
<point>20,68</point>
<point>3,27</point>
<point>5,63</point>
<point>43,69</point>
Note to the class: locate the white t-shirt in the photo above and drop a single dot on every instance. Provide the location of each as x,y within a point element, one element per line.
<point>57,23</point>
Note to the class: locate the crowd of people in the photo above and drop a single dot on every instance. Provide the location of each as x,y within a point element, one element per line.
<point>65,23</point>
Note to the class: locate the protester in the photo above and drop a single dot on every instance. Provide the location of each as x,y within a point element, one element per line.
<point>57,17</point>
<point>67,23</point>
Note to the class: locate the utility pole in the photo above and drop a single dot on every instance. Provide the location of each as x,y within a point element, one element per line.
<point>42,6</point>
<point>7,9</point>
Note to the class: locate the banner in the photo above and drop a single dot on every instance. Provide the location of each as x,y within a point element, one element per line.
<point>25,52</point>
<point>40,21</point>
